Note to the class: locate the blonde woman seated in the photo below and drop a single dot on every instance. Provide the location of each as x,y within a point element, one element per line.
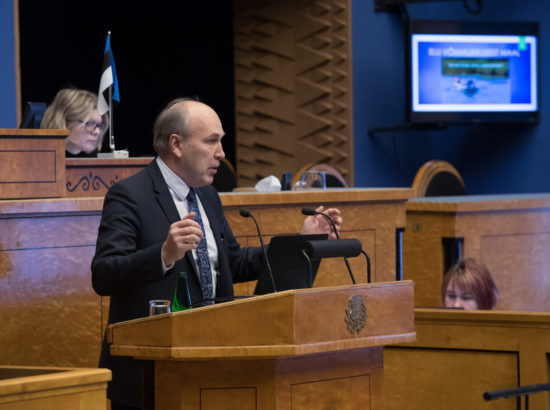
<point>469,285</point>
<point>76,110</point>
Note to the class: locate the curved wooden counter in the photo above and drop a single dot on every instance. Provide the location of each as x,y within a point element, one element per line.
<point>51,315</point>
<point>510,234</point>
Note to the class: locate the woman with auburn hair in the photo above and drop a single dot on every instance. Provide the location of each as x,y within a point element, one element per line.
<point>76,110</point>
<point>469,285</point>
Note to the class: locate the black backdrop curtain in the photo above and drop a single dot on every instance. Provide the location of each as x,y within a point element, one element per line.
<point>163,49</point>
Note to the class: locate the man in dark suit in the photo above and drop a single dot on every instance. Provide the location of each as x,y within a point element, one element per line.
<point>149,230</point>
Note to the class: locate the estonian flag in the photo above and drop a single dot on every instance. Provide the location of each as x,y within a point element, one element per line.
<point>108,79</point>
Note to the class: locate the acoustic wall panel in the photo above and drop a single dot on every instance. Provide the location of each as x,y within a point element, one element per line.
<point>292,87</point>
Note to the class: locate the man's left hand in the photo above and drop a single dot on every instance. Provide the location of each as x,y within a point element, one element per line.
<point>316,224</point>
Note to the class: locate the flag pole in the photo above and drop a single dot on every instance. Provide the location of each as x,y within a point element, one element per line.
<point>111,136</point>
<point>109,80</point>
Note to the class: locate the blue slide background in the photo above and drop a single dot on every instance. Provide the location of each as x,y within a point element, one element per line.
<point>436,88</point>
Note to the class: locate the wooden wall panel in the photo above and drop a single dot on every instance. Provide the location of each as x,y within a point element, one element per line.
<point>293,87</point>
<point>520,265</point>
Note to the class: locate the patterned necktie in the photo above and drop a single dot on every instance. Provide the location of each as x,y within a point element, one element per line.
<point>205,273</point>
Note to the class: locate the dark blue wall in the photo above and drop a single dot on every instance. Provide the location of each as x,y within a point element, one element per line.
<point>490,159</point>
<point>8,102</point>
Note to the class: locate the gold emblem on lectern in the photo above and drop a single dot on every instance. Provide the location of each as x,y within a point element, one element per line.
<point>356,314</point>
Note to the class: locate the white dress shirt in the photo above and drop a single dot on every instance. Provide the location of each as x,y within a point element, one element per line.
<point>179,190</point>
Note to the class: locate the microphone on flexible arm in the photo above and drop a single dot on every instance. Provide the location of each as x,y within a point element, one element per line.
<point>313,212</point>
<point>245,213</point>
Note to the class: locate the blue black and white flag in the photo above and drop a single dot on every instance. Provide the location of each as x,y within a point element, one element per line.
<point>108,79</point>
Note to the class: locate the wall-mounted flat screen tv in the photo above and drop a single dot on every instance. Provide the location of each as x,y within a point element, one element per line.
<point>464,72</point>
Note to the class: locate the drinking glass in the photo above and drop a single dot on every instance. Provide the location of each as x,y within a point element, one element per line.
<point>159,306</point>
<point>314,180</point>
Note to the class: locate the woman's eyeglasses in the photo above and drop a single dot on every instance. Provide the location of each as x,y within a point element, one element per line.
<point>92,125</point>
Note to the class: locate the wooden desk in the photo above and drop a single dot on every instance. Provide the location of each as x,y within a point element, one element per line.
<point>51,315</point>
<point>510,234</point>
<point>27,388</point>
<point>458,355</point>
<point>32,163</point>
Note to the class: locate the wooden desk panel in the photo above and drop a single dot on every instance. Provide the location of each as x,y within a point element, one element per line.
<point>510,234</point>
<point>29,388</point>
<point>94,177</point>
<point>352,381</point>
<point>51,315</point>
<point>456,368</point>
<point>459,355</point>
<point>32,163</point>
<point>370,215</point>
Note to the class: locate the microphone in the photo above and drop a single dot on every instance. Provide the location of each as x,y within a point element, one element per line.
<point>334,249</point>
<point>312,212</point>
<point>245,213</point>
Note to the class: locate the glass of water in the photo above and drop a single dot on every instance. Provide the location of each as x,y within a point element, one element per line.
<point>159,306</point>
<point>314,180</point>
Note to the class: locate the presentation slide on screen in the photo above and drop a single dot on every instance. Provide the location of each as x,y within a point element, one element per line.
<point>473,73</point>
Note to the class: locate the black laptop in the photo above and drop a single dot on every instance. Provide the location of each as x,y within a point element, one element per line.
<point>290,267</point>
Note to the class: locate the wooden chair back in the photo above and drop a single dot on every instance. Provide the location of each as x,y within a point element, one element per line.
<point>438,178</point>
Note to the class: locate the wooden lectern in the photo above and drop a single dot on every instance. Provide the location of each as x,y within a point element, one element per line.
<point>297,349</point>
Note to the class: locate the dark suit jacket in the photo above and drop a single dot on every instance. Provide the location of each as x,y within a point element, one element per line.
<point>127,265</point>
